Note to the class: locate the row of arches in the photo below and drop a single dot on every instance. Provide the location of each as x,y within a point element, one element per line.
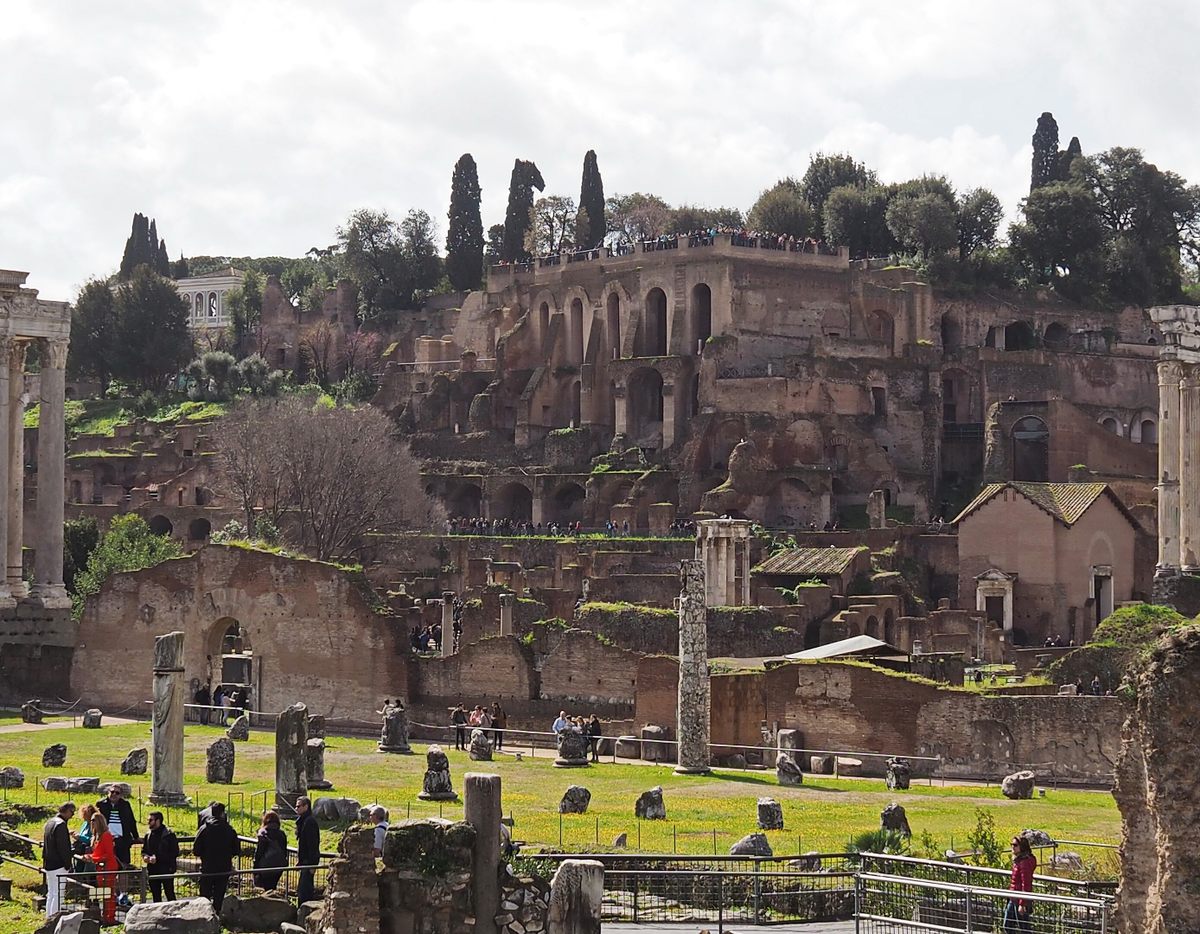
<point>198,530</point>
<point>514,501</point>
<point>1142,429</point>
<point>653,337</point>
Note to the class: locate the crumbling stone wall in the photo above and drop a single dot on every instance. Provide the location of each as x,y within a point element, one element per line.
<point>1156,792</point>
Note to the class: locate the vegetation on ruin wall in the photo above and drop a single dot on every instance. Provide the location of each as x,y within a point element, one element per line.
<point>822,814</point>
<point>128,545</point>
<point>104,416</point>
<point>1121,643</point>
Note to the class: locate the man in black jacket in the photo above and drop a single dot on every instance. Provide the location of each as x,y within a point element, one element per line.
<point>216,846</point>
<point>160,853</point>
<point>121,825</point>
<point>308,849</point>
<point>56,854</point>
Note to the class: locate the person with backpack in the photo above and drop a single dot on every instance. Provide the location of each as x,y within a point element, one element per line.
<point>270,853</point>
<point>216,845</point>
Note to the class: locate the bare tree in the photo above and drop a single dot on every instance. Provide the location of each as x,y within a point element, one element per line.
<point>331,474</point>
<point>318,346</point>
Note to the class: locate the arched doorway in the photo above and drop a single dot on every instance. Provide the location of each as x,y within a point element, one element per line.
<point>613,324</point>
<point>701,316</point>
<point>513,501</point>
<point>790,506</point>
<point>645,393</point>
<point>576,329</point>
<point>1056,337</point>
<point>1110,424</point>
<point>1031,449</point>
<point>653,333</point>
<point>543,321</point>
<point>465,501</point>
<point>1149,431</point>
<point>199,530</point>
<point>1020,336</point>
<point>161,525</point>
<point>566,505</point>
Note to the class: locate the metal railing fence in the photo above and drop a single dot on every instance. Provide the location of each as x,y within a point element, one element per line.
<point>964,874</point>
<point>888,904</point>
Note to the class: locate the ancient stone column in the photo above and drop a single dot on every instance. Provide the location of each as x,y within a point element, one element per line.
<point>731,562</point>
<point>745,601</point>
<point>1168,468</point>
<point>722,563</point>
<point>481,809</point>
<point>447,644</point>
<point>16,468</point>
<point>576,893</point>
<point>48,585</point>
<point>6,442</point>
<point>668,409</point>
<point>692,722</point>
<point>1189,469</point>
<point>167,728</point>
<point>506,614</point>
<point>291,747</point>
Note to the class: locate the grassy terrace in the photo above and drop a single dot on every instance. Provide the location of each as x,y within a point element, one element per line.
<point>821,815</point>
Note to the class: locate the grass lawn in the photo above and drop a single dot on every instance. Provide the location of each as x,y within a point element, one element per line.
<point>820,815</point>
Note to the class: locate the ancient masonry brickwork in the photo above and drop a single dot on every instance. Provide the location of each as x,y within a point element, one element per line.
<point>693,714</point>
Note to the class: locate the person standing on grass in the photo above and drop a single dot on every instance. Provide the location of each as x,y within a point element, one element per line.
<point>216,846</point>
<point>308,850</point>
<point>459,720</point>
<point>559,725</point>
<point>160,853</point>
<point>56,853</point>
<point>594,732</point>
<point>499,723</point>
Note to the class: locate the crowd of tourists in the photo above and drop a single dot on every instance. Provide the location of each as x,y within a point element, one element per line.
<point>100,851</point>
<point>220,704</point>
<point>493,720</point>
<point>466,525</point>
<point>591,728</point>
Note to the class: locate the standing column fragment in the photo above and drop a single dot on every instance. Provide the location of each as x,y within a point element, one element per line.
<point>49,588</point>
<point>16,469</point>
<point>167,729</point>
<point>692,721</point>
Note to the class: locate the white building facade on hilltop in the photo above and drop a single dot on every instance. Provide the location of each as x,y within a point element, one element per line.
<point>206,297</point>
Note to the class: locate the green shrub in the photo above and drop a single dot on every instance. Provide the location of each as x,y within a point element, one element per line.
<point>128,545</point>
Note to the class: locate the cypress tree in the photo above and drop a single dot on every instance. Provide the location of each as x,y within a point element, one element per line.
<point>464,236</point>
<point>162,262</point>
<point>1045,152</point>
<point>1073,152</point>
<point>518,219</point>
<point>590,227</point>
<point>144,248</point>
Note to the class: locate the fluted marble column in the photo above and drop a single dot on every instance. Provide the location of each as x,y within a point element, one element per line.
<point>16,468</point>
<point>1189,470</point>
<point>48,587</point>
<point>6,598</point>
<point>1169,374</point>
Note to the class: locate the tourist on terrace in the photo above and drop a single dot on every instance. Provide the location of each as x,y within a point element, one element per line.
<point>1097,687</point>
<point>56,853</point>
<point>1018,911</point>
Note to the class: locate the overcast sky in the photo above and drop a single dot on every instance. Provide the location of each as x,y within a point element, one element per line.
<point>254,128</point>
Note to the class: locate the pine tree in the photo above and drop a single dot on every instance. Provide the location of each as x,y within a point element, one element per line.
<point>590,226</point>
<point>1045,152</point>
<point>464,236</point>
<point>518,217</point>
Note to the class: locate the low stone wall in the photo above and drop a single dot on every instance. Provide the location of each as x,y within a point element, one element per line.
<point>732,631</point>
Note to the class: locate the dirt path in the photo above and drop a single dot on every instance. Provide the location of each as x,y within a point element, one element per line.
<point>58,725</point>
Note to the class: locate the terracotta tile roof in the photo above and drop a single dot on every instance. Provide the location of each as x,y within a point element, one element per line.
<point>1066,502</point>
<point>809,562</point>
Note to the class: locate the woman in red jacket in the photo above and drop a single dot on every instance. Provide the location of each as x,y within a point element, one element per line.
<point>1019,910</point>
<point>104,857</point>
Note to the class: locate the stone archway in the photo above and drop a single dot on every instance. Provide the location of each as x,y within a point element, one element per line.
<point>465,501</point>
<point>512,501</point>
<point>199,530</point>
<point>566,503</point>
<point>701,316</point>
<point>652,335</point>
<point>645,401</point>
<point>1031,449</point>
<point>161,525</point>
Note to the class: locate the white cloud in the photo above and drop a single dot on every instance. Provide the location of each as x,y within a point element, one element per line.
<point>256,128</point>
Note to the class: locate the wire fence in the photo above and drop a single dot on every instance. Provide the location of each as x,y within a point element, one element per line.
<point>888,904</point>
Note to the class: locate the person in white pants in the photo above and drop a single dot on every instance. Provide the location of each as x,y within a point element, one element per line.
<point>56,854</point>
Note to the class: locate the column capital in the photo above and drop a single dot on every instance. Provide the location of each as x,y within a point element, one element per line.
<point>1169,371</point>
<point>16,354</point>
<point>55,353</point>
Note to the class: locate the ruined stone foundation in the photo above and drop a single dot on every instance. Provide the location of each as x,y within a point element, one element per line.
<point>1158,795</point>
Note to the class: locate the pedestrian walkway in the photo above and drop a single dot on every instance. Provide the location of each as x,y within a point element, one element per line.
<point>692,927</point>
<point>64,724</point>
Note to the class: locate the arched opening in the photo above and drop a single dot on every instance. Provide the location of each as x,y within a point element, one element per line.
<point>212,306</point>
<point>1056,337</point>
<point>234,640</point>
<point>203,496</point>
<point>1031,449</point>
<point>161,525</point>
<point>645,408</point>
<point>1149,431</point>
<point>1110,424</point>
<point>543,320</point>
<point>513,501</point>
<point>951,334</point>
<point>701,316</point>
<point>872,627</point>
<point>791,505</point>
<point>576,329</point>
<point>199,308</point>
<point>889,626</point>
<point>613,324</point>
<point>880,328</point>
<point>1020,336</point>
<point>878,401</point>
<point>465,501</point>
<point>653,332</point>
<point>566,505</point>
<point>199,530</point>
